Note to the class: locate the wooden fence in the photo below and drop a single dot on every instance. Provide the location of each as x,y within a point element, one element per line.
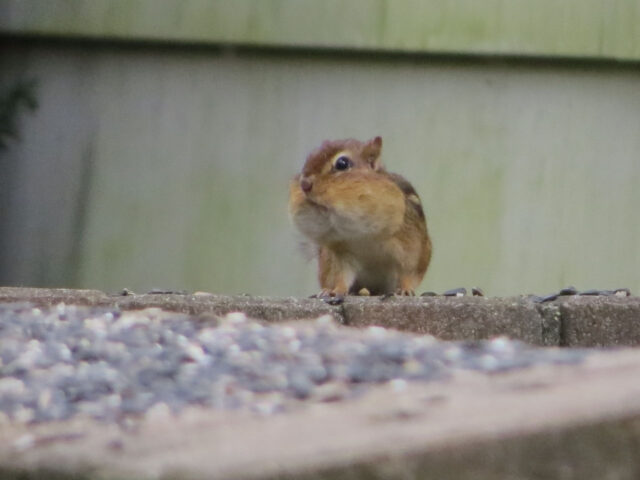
<point>167,130</point>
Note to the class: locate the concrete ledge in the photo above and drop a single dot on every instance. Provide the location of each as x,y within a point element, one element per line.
<point>454,318</point>
<point>569,321</point>
<point>261,308</point>
<point>547,421</point>
<point>580,421</point>
<point>600,321</point>
<point>53,296</point>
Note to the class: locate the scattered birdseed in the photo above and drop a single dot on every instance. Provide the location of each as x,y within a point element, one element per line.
<point>456,292</point>
<point>112,366</point>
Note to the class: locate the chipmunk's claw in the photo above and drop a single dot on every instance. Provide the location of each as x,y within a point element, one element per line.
<point>398,293</point>
<point>405,293</point>
<point>333,300</point>
<point>331,297</point>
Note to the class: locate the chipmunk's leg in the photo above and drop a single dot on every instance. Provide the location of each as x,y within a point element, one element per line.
<point>413,267</point>
<point>335,275</point>
<point>407,285</point>
<point>339,287</point>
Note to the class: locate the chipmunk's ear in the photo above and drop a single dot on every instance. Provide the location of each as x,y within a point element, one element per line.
<point>372,151</point>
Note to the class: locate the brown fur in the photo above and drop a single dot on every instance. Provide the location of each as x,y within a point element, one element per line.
<point>367,224</point>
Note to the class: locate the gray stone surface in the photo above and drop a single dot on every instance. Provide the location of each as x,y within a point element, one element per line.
<point>454,318</point>
<point>567,321</point>
<point>551,324</point>
<point>263,308</point>
<point>53,296</point>
<point>600,321</point>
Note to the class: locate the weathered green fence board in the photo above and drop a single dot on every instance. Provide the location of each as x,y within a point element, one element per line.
<point>568,28</point>
<point>529,175</point>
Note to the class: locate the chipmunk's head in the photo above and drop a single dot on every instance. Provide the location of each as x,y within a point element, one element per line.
<point>344,194</point>
<point>337,158</point>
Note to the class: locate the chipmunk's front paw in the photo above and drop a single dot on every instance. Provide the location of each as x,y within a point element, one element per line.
<point>398,293</point>
<point>401,292</point>
<point>332,297</point>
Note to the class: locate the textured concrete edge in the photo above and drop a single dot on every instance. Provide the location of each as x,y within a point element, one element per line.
<point>589,451</point>
<point>205,304</point>
<point>8,473</point>
<point>569,321</point>
<point>448,318</point>
<point>551,324</point>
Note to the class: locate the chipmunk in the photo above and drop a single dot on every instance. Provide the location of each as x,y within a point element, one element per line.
<point>366,224</point>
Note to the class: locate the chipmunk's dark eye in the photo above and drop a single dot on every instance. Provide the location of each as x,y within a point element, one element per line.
<point>342,163</point>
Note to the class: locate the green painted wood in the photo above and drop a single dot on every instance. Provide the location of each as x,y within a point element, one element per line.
<point>568,28</point>
<point>529,176</point>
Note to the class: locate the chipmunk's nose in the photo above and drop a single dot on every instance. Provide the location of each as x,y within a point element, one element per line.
<point>305,184</point>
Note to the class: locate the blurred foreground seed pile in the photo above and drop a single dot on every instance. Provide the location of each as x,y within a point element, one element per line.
<point>108,364</point>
